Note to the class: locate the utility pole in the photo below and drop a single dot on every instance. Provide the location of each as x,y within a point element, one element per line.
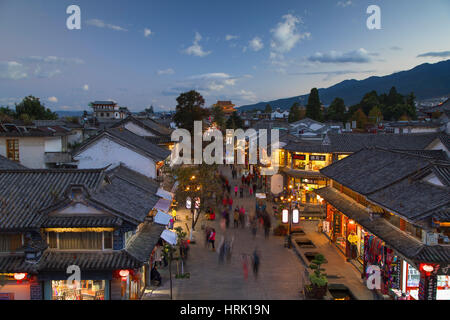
<point>170,271</point>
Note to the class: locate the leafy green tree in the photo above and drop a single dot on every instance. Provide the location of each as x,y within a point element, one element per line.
<point>369,101</point>
<point>234,121</point>
<point>189,109</point>
<point>295,113</point>
<point>268,108</point>
<point>361,119</point>
<point>375,115</point>
<point>314,108</point>
<point>336,110</point>
<point>34,109</point>
<point>219,116</point>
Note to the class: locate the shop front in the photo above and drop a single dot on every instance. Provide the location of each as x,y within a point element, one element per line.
<point>84,290</point>
<point>15,286</point>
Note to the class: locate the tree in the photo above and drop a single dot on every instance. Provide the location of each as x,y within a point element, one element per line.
<point>189,109</point>
<point>219,116</point>
<point>375,115</point>
<point>361,119</point>
<point>32,107</point>
<point>234,121</point>
<point>369,101</point>
<point>268,108</point>
<point>294,113</point>
<point>200,181</point>
<point>314,108</point>
<point>336,110</point>
<point>149,110</point>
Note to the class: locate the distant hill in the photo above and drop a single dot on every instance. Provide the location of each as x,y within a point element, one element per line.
<point>426,81</point>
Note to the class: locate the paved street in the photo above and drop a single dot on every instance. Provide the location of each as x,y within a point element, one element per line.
<point>279,276</point>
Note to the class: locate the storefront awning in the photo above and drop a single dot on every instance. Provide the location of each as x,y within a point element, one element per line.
<point>164,194</point>
<point>303,173</point>
<point>163,205</point>
<point>405,245</point>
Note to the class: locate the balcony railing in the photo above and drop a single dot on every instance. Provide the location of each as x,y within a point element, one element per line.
<point>58,157</point>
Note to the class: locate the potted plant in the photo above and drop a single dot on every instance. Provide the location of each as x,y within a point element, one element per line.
<point>319,282</point>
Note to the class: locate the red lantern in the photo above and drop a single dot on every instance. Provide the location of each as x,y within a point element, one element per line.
<point>19,276</point>
<point>426,268</point>
<point>124,273</point>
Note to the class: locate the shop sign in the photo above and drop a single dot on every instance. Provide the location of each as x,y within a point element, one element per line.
<point>352,238</point>
<point>317,158</point>
<point>299,156</point>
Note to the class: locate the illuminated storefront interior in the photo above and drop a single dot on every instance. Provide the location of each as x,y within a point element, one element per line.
<point>86,290</point>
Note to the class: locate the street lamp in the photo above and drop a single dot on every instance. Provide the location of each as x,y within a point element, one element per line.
<point>290,216</point>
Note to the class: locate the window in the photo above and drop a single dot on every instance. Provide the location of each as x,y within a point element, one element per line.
<point>10,242</point>
<point>12,149</point>
<point>107,240</point>
<point>80,240</point>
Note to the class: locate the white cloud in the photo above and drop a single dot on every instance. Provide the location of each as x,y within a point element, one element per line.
<point>86,87</point>
<point>212,75</point>
<point>53,60</point>
<point>53,99</point>
<point>147,32</point>
<point>12,70</point>
<point>256,44</point>
<point>286,34</point>
<point>229,37</point>
<point>46,72</point>
<point>356,56</point>
<point>344,4</point>
<point>196,49</point>
<point>246,95</point>
<point>101,24</point>
<point>166,71</point>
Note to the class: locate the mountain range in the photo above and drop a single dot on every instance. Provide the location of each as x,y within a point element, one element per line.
<point>425,80</point>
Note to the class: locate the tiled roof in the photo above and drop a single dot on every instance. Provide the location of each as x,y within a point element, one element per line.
<point>131,140</point>
<point>372,169</point>
<point>104,260</point>
<point>127,199</point>
<point>25,192</point>
<point>12,130</point>
<point>148,124</point>
<point>352,142</point>
<point>133,177</point>
<point>81,221</point>
<point>6,164</point>
<point>407,246</point>
<point>141,245</point>
<point>15,263</point>
<point>302,173</point>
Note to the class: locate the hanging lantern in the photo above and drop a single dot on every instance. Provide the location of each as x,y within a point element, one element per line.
<point>124,273</point>
<point>19,276</point>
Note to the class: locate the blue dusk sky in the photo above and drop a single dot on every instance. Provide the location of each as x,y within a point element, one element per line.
<point>142,53</point>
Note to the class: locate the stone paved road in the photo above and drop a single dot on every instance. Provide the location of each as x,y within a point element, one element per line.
<point>279,276</point>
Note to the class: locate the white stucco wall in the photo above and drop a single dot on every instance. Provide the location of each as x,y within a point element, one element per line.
<point>75,136</point>
<point>31,151</point>
<point>438,145</point>
<point>105,152</point>
<point>138,130</point>
<point>53,144</point>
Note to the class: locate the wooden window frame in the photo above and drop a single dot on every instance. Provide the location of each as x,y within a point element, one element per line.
<point>12,151</point>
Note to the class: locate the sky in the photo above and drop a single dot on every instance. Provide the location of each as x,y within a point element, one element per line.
<point>142,53</point>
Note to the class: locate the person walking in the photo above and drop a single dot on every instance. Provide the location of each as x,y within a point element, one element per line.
<point>253,225</point>
<point>235,190</point>
<point>256,262</point>
<point>212,238</point>
<point>236,218</point>
<point>230,203</point>
<point>250,190</point>
<point>242,216</point>
<point>245,266</point>
<point>267,225</point>
<point>241,191</point>
<point>158,255</point>
<point>207,233</point>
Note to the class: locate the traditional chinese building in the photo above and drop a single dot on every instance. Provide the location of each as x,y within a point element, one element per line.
<point>227,106</point>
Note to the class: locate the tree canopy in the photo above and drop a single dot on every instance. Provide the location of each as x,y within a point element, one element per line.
<point>295,113</point>
<point>314,108</point>
<point>189,109</point>
<point>268,108</point>
<point>29,109</point>
<point>219,116</point>
<point>234,121</point>
<point>336,110</point>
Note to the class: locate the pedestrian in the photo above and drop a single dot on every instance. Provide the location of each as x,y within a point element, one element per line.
<point>254,187</point>
<point>250,189</point>
<point>241,191</point>
<point>227,219</point>
<point>236,217</point>
<point>207,233</point>
<point>253,225</point>
<point>267,225</point>
<point>244,265</point>
<point>224,201</point>
<point>235,190</point>
<point>230,203</point>
<point>212,238</point>
<point>158,255</point>
<point>256,262</point>
<point>242,179</point>
<point>242,216</point>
